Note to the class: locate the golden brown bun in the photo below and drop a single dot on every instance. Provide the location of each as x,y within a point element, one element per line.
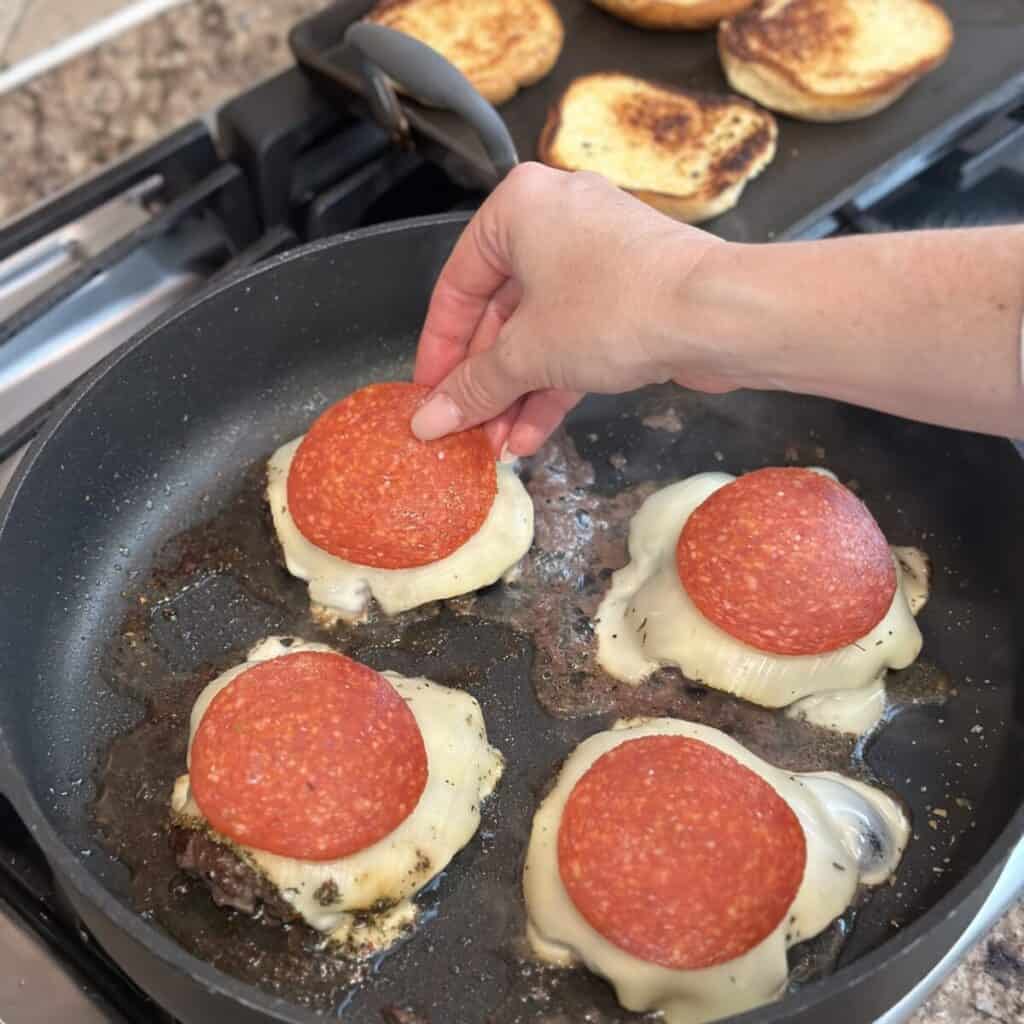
<point>672,14</point>
<point>832,60</point>
<point>499,45</point>
<point>687,154</point>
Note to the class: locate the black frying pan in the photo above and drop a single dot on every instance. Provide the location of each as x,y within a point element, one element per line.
<point>103,607</point>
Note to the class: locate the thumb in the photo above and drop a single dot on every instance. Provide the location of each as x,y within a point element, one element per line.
<point>480,388</point>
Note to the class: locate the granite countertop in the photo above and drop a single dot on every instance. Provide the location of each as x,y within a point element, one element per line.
<point>79,117</point>
<point>75,119</point>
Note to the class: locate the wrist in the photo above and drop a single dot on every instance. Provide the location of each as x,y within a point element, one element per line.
<point>724,334</point>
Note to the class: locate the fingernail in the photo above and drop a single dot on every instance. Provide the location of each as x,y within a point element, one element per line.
<point>506,455</point>
<point>435,418</point>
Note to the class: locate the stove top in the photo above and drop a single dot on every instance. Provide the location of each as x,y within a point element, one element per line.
<point>83,272</point>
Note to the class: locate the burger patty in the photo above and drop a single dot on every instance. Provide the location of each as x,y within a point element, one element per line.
<point>231,882</point>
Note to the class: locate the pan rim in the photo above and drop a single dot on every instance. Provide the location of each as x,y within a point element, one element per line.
<point>73,872</point>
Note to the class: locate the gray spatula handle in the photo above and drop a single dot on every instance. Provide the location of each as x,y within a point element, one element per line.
<point>425,74</point>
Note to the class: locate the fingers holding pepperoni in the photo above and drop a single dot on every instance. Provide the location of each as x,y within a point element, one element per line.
<point>364,489</point>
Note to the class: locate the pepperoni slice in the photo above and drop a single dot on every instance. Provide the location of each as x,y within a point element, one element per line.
<point>677,853</point>
<point>787,561</point>
<point>363,488</point>
<point>309,755</point>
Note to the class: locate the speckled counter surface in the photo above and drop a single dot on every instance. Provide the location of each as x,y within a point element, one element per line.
<point>72,121</point>
<point>989,985</point>
<point>76,119</point>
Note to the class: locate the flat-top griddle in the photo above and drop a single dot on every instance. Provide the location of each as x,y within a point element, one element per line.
<point>818,167</point>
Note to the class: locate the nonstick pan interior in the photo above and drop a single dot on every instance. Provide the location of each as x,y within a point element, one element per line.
<point>164,440</point>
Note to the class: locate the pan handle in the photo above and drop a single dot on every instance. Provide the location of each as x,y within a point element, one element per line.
<point>386,54</point>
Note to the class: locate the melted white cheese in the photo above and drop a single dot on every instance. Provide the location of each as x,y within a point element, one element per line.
<point>855,834</point>
<point>463,770</point>
<point>859,710</point>
<point>647,620</point>
<point>916,576</point>
<point>342,590</point>
<point>852,711</point>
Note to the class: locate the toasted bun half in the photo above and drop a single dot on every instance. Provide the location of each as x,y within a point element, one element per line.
<point>687,154</point>
<point>832,60</point>
<point>673,14</point>
<point>499,45</point>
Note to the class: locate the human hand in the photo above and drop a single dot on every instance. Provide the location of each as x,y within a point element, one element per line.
<point>560,285</point>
